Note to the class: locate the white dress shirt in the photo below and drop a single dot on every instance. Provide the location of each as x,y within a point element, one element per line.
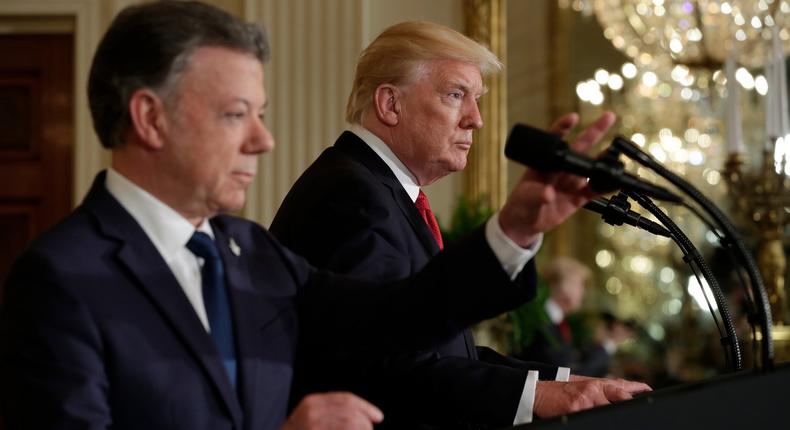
<point>169,232</point>
<point>512,257</point>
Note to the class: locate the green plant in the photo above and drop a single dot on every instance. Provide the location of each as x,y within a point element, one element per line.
<point>528,318</point>
<point>467,215</point>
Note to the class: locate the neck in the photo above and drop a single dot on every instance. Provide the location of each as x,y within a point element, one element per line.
<point>386,134</point>
<point>148,178</point>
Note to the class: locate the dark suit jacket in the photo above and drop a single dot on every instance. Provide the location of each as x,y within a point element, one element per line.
<point>348,213</point>
<point>549,346</point>
<point>98,333</point>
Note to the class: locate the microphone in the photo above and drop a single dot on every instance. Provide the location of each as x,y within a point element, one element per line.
<point>615,214</point>
<point>546,152</point>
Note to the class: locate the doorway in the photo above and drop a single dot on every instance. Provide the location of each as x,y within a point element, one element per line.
<point>36,137</point>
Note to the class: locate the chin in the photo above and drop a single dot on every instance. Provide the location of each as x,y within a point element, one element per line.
<point>232,206</point>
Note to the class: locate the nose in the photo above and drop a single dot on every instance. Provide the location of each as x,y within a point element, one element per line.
<point>472,119</point>
<point>260,140</point>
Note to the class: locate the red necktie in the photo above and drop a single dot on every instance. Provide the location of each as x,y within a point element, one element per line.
<point>430,219</point>
<point>565,330</point>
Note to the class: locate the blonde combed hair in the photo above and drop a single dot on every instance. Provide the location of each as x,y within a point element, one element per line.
<point>561,267</point>
<point>398,53</point>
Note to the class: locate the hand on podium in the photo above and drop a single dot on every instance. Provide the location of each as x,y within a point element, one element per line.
<point>580,392</point>
<point>334,410</point>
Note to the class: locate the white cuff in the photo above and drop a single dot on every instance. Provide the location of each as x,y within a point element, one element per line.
<point>527,403</point>
<point>610,346</point>
<point>563,374</point>
<point>512,257</point>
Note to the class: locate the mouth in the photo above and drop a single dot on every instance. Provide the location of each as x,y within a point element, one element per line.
<point>243,176</point>
<point>464,145</point>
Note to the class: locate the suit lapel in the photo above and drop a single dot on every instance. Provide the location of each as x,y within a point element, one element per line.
<point>154,277</point>
<point>355,147</point>
<point>252,311</point>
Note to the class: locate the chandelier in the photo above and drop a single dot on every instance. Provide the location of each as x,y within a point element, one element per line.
<point>678,50</point>
<point>694,33</point>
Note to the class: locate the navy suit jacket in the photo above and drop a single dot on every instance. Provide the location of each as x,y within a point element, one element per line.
<point>97,332</point>
<point>348,213</point>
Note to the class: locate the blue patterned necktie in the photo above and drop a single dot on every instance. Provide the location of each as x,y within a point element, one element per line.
<point>215,299</point>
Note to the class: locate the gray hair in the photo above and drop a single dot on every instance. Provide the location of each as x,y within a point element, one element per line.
<point>148,46</point>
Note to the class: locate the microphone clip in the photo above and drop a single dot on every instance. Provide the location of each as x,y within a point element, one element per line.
<point>617,209</point>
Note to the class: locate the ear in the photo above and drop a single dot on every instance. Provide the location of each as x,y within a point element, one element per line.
<point>147,112</point>
<point>386,103</point>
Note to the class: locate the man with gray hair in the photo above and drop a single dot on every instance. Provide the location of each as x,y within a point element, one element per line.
<point>149,308</point>
<point>359,210</point>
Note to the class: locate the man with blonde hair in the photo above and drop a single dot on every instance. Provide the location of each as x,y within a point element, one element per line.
<point>359,210</point>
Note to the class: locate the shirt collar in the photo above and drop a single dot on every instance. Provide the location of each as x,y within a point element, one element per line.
<point>167,229</point>
<point>402,173</point>
<point>555,312</point>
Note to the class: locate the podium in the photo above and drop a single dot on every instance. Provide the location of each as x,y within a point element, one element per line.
<point>744,400</point>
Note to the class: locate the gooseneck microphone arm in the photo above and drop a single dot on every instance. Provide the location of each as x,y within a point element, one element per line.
<point>759,295</point>
<point>751,312</point>
<point>698,265</point>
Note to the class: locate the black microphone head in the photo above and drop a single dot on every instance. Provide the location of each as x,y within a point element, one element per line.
<point>631,150</point>
<point>535,148</point>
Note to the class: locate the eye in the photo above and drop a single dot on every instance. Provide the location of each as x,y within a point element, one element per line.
<point>457,95</point>
<point>235,115</point>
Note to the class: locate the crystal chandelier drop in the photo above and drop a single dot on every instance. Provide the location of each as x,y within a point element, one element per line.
<point>694,33</point>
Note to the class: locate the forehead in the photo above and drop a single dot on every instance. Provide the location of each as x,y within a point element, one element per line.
<point>454,73</point>
<point>219,71</point>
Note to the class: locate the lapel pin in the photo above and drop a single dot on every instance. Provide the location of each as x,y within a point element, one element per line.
<point>234,247</point>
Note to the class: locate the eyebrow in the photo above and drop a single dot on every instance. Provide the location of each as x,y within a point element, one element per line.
<point>248,104</point>
<point>465,88</point>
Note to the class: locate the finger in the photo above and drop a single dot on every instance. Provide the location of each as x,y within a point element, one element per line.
<point>363,407</point>
<point>633,386</point>
<point>564,124</point>
<point>594,132</point>
<point>570,183</point>
<point>578,191</point>
<point>614,393</point>
<point>574,377</point>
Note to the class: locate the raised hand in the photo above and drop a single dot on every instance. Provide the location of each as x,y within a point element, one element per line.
<point>541,201</point>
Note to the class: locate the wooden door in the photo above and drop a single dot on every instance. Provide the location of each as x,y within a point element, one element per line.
<point>36,138</point>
